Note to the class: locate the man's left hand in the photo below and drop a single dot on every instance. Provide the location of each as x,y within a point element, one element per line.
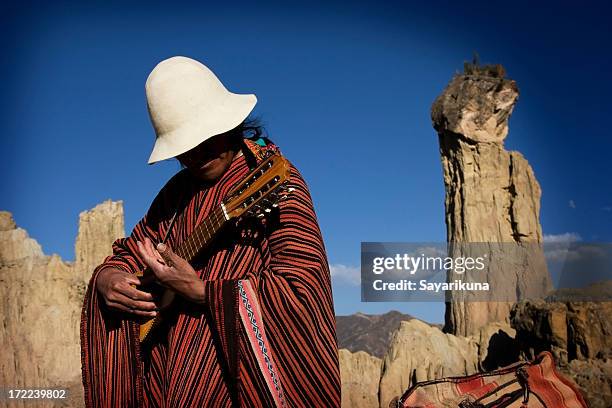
<point>172,271</point>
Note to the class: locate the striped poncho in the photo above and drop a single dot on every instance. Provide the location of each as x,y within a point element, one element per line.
<point>266,335</point>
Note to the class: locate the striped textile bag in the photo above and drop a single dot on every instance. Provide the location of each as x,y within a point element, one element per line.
<point>534,384</point>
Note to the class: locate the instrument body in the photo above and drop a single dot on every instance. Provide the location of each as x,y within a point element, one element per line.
<point>253,196</point>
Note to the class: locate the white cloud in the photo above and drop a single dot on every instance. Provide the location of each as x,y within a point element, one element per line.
<point>345,273</point>
<point>431,251</point>
<point>566,237</point>
<point>572,204</point>
<point>560,255</point>
<point>556,248</point>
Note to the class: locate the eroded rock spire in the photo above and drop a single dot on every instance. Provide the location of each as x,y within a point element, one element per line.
<point>492,195</point>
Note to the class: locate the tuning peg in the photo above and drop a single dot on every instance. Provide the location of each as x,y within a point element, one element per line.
<point>275,205</point>
<point>260,215</point>
<point>291,189</point>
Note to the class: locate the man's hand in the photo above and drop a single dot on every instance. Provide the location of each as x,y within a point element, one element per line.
<point>115,287</point>
<point>172,271</point>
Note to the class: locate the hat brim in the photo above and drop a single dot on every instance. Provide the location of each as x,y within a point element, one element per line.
<point>226,116</point>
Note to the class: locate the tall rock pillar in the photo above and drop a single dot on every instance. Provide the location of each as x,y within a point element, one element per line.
<point>492,195</point>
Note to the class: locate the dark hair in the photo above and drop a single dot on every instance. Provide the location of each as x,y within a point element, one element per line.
<point>250,128</point>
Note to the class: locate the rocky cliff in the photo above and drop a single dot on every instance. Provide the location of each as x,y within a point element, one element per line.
<point>578,334</point>
<point>360,373</point>
<point>369,333</point>
<point>98,228</point>
<point>492,195</point>
<point>41,298</point>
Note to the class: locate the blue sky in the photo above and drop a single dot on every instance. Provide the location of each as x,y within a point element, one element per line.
<point>344,89</point>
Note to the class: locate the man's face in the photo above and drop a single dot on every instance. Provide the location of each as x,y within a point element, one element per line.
<point>209,160</point>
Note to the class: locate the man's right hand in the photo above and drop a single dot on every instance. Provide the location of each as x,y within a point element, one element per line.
<point>115,286</point>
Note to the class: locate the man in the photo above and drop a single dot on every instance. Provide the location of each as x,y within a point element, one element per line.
<point>205,355</point>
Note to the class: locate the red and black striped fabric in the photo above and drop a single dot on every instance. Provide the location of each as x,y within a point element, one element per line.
<point>201,356</point>
<point>525,384</point>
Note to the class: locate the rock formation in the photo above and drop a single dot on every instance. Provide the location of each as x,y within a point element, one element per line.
<point>98,228</point>
<point>492,195</point>
<point>579,334</point>
<point>420,352</point>
<point>41,298</point>
<point>369,333</point>
<point>360,374</point>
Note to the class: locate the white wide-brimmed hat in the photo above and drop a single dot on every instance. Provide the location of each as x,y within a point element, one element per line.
<point>188,105</point>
